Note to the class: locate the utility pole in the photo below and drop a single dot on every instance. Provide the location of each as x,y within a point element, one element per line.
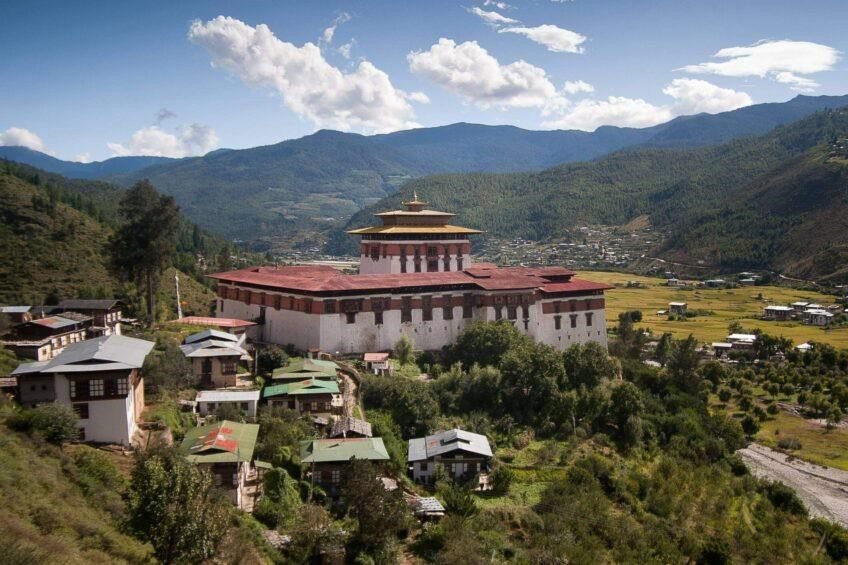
<point>179,306</point>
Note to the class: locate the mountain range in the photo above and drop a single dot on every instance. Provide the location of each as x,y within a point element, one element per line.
<point>294,193</point>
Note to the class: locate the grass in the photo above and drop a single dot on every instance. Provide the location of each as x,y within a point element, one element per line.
<point>727,305</point>
<point>818,445</point>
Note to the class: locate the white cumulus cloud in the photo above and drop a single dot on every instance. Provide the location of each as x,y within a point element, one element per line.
<point>195,139</point>
<point>694,96</point>
<point>783,60</point>
<point>327,36</point>
<point>553,37</point>
<point>83,157</point>
<point>690,96</point>
<point>492,17</point>
<point>497,4</point>
<point>575,86</point>
<point>362,100</point>
<point>24,138</point>
<point>470,71</point>
<point>344,50</point>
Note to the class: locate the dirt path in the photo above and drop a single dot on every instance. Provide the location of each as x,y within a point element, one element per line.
<point>823,489</point>
<point>350,395</point>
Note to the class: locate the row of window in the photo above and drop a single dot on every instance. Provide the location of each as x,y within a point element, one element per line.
<point>212,406</point>
<point>432,264</point>
<point>573,319</point>
<point>93,388</point>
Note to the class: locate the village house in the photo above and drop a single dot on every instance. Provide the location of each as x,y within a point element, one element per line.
<point>817,317</point>
<point>463,455</point>
<point>229,325</point>
<point>245,401</point>
<point>310,395</point>
<point>715,283</point>
<point>799,306</point>
<point>804,347</point>
<point>741,341</point>
<point>677,308</point>
<point>45,338</point>
<point>721,348</point>
<point>378,363</point>
<point>226,449</point>
<point>302,369</point>
<point>347,426</point>
<point>106,314</point>
<point>416,279</point>
<point>17,314</point>
<point>327,460</point>
<point>99,379</point>
<point>778,313</point>
<point>215,357</point>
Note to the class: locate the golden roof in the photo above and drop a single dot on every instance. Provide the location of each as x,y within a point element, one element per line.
<point>412,230</point>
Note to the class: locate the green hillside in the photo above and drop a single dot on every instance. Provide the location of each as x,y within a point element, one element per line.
<point>689,191</point>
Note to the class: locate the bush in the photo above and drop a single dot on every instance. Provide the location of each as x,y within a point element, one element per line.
<point>772,408</point>
<point>737,465</point>
<point>271,357</point>
<point>57,423</point>
<point>784,497</point>
<point>789,443</point>
<point>502,478</point>
<point>724,394</point>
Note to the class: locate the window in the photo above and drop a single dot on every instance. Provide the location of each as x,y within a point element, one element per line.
<point>498,312</point>
<point>459,263</point>
<point>291,404</point>
<point>243,407</point>
<point>261,318</point>
<point>446,261</point>
<point>573,304</point>
<point>427,308</point>
<point>221,306</point>
<point>406,309</point>
<point>423,466</point>
<point>557,322</point>
<point>468,305</point>
<point>335,476</point>
<point>511,312</point>
<point>329,306</point>
<point>110,387</point>
<point>375,252</point>
<point>378,318</point>
<point>351,317</point>
<point>314,405</point>
<point>417,264</point>
<point>447,308</point>
<point>433,266</point>
<point>558,306</point>
<point>81,410</point>
<point>81,432</point>
<point>588,319</point>
<point>403,262</point>
<point>431,251</point>
<point>573,320</point>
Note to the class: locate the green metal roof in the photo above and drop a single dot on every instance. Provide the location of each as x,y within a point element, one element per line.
<point>302,368</point>
<point>307,386</point>
<point>341,450</point>
<point>222,442</point>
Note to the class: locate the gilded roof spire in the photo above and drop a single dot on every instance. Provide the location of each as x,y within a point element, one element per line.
<point>415,205</point>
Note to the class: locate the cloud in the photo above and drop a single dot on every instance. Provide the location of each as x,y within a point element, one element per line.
<point>782,60</point>
<point>164,114</point>
<point>468,70</point>
<point>694,96</point>
<point>363,100</point>
<point>83,157</point>
<point>195,139</point>
<point>24,138</point>
<point>498,5</point>
<point>690,96</point>
<point>327,36</point>
<point>492,18</point>
<point>554,38</point>
<point>419,97</point>
<point>344,50</point>
<point>575,86</point>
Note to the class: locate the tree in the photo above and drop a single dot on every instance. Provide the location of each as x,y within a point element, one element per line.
<point>271,357</point>
<point>173,505</point>
<point>588,365</point>
<point>724,394</point>
<point>625,409</point>
<point>459,501</point>
<point>403,350</point>
<point>750,425</point>
<point>502,478</point>
<point>57,423</point>
<point>834,416</point>
<point>281,498</point>
<point>663,349</point>
<point>484,343</point>
<point>380,514</point>
<point>682,364</point>
<point>145,244</point>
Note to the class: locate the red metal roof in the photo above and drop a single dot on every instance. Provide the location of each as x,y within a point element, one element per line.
<point>217,322</point>
<point>375,357</point>
<point>325,279</point>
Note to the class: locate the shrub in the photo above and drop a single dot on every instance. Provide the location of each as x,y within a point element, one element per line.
<point>502,478</point>
<point>724,394</point>
<point>772,408</point>
<point>789,443</point>
<point>784,497</point>
<point>737,465</point>
<point>57,423</point>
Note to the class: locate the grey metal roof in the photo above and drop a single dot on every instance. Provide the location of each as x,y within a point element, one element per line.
<point>347,424</point>
<point>76,316</point>
<point>15,309</point>
<point>223,395</point>
<point>85,304</point>
<point>105,353</point>
<point>212,348</point>
<point>27,368</point>
<point>428,505</point>
<point>448,441</point>
<point>207,334</point>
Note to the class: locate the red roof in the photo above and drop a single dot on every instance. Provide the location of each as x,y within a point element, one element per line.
<point>217,322</point>
<point>324,279</point>
<point>375,357</point>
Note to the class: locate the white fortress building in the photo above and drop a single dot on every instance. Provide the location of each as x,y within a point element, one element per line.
<point>416,279</point>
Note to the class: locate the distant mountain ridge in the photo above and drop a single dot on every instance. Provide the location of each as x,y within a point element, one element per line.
<point>293,193</point>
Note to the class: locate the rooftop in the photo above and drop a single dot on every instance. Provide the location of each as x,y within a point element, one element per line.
<point>15,309</point>
<point>375,357</point>
<point>446,442</point>
<point>302,368</point>
<point>206,334</point>
<point>83,304</point>
<point>214,322</point>
<point>222,442</point>
<point>55,322</point>
<point>107,353</point>
<point>346,424</point>
<point>343,449</point>
<point>307,386</point>
<point>227,395</point>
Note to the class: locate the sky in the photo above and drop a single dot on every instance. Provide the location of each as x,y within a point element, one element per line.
<point>96,79</point>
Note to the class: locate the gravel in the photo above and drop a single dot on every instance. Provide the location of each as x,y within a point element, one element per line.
<point>824,490</point>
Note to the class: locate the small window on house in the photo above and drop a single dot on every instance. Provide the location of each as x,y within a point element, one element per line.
<point>459,263</point>
<point>417,264</point>
<point>243,407</point>
<point>433,266</point>
<point>123,385</point>
<point>498,312</point>
<point>335,476</point>
<point>588,319</point>
<point>431,250</point>
<point>351,317</point>
<point>403,263</point>
<point>446,261</point>
<point>81,411</point>
<point>468,306</point>
<point>511,312</point>
<point>424,466</point>
<point>95,387</point>
<point>329,306</point>
<point>32,388</point>
<point>574,320</point>
<point>427,308</point>
<point>557,322</point>
<point>221,306</point>
<point>291,404</point>
<point>573,305</point>
<point>406,309</point>
<point>378,318</point>
<point>447,308</point>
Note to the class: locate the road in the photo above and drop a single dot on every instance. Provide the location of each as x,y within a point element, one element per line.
<point>823,489</point>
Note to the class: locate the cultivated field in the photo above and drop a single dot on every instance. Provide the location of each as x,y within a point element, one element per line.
<point>726,305</point>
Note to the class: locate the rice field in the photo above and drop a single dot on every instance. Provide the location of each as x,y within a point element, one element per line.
<point>744,304</point>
